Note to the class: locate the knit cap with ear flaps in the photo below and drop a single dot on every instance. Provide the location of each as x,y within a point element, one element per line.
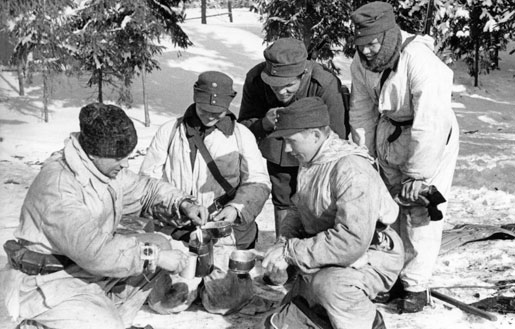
<point>106,131</point>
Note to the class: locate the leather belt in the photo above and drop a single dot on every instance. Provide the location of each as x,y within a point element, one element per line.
<point>398,128</point>
<point>34,263</point>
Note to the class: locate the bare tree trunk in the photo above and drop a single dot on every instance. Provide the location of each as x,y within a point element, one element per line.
<point>496,58</point>
<point>100,78</point>
<point>475,34</point>
<point>203,6</point>
<point>21,79</point>
<point>229,9</point>
<point>476,63</point>
<point>46,94</point>
<point>145,100</point>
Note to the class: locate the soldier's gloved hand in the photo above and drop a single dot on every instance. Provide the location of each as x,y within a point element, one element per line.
<point>270,119</point>
<point>198,214</point>
<point>411,189</point>
<point>228,214</point>
<point>172,260</point>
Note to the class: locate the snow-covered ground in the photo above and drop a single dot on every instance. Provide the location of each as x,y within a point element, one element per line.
<point>484,184</point>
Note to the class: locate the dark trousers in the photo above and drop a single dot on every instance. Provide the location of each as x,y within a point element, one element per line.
<point>284,184</point>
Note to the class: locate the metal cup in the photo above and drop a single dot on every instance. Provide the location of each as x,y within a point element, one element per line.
<point>188,272</point>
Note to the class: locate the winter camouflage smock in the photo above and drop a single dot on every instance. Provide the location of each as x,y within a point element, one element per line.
<point>340,200</point>
<point>72,209</point>
<point>419,90</point>
<point>236,156</point>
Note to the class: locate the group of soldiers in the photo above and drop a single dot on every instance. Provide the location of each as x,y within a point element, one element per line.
<point>350,214</point>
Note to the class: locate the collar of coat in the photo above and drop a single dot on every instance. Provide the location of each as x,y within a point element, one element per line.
<point>334,148</point>
<point>304,83</point>
<point>193,123</point>
<point>80,164</point>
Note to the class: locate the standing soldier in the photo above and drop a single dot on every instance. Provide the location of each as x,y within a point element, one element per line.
<point>286,76</point>
<point>401,110</point>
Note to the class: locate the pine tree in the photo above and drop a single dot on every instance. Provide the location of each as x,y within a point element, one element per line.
<point>472,30</point>
<point>40,29</point>
<point>323,25</point>
<point>119,39</point>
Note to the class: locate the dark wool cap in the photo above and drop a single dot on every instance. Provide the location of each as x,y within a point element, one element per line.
<point>213,90</point>
<point>106,131</point>
<point>286,59</point>
<point>308,112</point>
<point>370,20</point>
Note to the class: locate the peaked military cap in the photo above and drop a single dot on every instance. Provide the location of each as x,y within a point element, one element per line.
<point>286,59</point>
<point>214,91</point>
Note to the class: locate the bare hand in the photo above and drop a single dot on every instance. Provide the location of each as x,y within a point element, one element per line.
<point>411,189</point>
<point>196,213</point>
<point>172,260</point>
<point>228,214</point>
<point>270,119</point>
<point>274,261</point>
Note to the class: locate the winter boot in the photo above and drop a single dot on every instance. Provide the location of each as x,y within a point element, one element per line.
<point>412,302</point>
<point>397,291</point>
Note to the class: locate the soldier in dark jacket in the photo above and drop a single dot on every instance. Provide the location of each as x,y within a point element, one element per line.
<point>286,76</point>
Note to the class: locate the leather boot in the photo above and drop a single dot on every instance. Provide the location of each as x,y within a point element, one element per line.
<point>396,292</point>
<point>412,302</point>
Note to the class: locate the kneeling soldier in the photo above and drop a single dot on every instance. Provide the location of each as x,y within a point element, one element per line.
<point>337,235</point>
<point>68,267</point>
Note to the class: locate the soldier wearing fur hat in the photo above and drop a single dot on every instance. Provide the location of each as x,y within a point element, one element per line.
<point>174,156</point>
<point>401,110</point>
<point>337,235</point>
<point>285,76</point>
<point>68,267</point>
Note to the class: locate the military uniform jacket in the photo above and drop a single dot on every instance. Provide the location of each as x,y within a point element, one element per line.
<point>236,156</point>
<point>72,209</point>
<point>419,90</point>
<point>339,201</point>
<point>258,98</point>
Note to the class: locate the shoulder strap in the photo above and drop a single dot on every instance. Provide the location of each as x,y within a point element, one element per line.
<point>199,143</point>
<point>174,129</point>
<point>172,134</point>
<point>387,72</point>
